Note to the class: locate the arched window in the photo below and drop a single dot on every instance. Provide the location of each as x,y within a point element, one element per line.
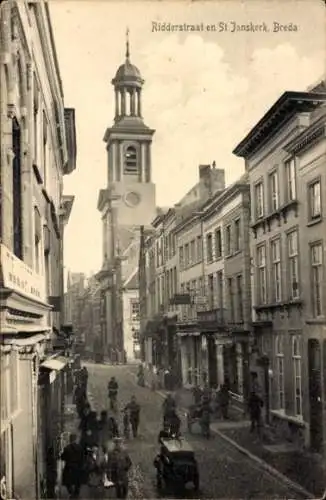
<point>131,161</point>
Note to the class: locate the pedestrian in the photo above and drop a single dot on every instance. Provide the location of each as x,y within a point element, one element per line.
<point>73,458</point>
<point>94,472</point>
<point>255,405</point>
<point>175,424</point>
<point>133,409</point>
<point>84,417</point>
<point>126,424</point>
<point>114,428</point>
<point>197,394</point>
<point>224,400</point>
<point>168,406</point>
<point>90,432</point>
<point>113,389</point>
<point>105,431</point>
<point>117,468</point>
<point>80,399</point>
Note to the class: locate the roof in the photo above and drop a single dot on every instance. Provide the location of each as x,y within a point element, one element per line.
<point>127,70</point>
<point>276,117</point>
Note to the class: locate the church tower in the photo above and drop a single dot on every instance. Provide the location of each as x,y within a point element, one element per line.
<point>128,144</point>
<point>126,204</point>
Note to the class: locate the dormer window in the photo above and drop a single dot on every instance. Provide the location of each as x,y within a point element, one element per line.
<point>131,161</point>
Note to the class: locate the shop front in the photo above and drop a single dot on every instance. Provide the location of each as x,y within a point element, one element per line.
<point>214,338</point>
<point>24,315</point>
<point>191,354</point>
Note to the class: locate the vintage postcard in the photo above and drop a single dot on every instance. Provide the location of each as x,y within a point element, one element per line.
<point>163,249</point>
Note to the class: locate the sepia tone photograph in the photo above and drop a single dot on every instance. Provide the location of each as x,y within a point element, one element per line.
<point>163,249</point>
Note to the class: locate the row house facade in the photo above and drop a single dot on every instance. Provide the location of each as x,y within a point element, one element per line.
<point>285,157</point>
<point>38,147</point>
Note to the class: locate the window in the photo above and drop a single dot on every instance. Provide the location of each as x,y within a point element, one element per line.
<point>314,200</point>
<point>290,180</point>
<point>181,257</point>
<point>37,239</point>
<point>130,161</point>
<point>193,251</point>
<point>14,387</point>
<point>218,243</point>
<point>228,240</point>
<point>220,292</point>
<point>187,255</point>
<point>317,278</point>
<point>17,191</point>
<point>199,248</point>
<point>239,299</point>
<point>200,287</point>
<point>211,291</point>
<point>45,147</point>
<point>9,386</point>
<point>262,285</point>
<point>280,372</point>
<point>259,200</point>
<point>276,269</point>
<point>274,191</point>
<point>237,235</point>
<point>293,264</point>
<point>4,381</point>
<point>296,358</point>
<point>209,241</point>
<point>231,298</point>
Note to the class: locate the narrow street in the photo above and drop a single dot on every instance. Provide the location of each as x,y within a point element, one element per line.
<point>224,472</point>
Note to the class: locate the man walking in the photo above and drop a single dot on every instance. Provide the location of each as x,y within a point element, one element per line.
<point>73,456</point>
<point>133,409</point>
<point>117,467</point>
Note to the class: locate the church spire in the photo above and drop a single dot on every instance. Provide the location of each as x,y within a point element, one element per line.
<point>127,45</point>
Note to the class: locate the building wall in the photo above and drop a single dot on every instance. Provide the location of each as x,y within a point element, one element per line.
<point>285,306</point>
<point>34,153</point>
<point>131,322</point>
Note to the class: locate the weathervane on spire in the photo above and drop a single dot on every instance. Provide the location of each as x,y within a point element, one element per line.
<point>127,44</point>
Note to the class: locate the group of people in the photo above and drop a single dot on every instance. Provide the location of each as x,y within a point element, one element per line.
<point>92,459</point>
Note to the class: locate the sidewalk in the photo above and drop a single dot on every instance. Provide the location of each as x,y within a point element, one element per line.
<point>303,468</point>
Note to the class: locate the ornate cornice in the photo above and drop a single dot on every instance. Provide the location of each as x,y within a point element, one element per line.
<point>308,138</point>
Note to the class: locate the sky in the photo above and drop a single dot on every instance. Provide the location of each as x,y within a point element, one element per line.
<point>203,90</point>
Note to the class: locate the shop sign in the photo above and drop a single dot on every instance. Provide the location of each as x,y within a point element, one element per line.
<point>19,277</point>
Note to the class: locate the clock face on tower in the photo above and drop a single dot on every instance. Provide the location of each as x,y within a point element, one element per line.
<point>132,199</point>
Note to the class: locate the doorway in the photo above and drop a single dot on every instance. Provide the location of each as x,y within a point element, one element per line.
<point>315,395</point>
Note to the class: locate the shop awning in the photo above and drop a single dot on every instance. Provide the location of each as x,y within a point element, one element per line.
<point>15,329</point>
<point>188,334</point>
<point>55,364</point>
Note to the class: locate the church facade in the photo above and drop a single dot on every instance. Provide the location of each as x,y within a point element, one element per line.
<point>127,203</point>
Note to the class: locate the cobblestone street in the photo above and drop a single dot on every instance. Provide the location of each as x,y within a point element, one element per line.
<point>224,471</point>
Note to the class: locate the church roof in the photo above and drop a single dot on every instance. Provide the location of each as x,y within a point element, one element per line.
<point>128,71</point>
